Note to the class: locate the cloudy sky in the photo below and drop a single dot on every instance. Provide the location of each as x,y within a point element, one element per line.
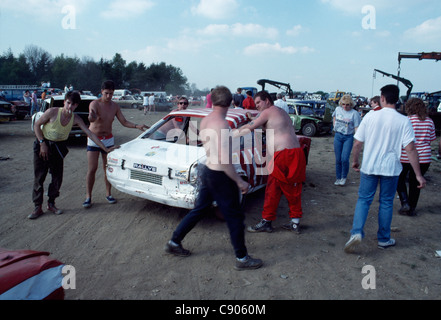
<point>313,45</point>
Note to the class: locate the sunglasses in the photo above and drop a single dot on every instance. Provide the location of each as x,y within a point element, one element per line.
<point>183,103</point>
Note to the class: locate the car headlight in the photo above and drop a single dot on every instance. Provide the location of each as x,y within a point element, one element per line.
<point>193,173</point>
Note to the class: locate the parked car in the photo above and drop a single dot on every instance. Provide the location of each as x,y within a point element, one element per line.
<point>162,104</point>
<point>305,121</point>
<point>5,111</point>
<point>129,101</point>
<point>82,110</point>
<point>161,165</point>
<point>20,109</point>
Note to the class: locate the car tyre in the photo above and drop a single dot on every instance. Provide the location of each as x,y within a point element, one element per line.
<point>309,130</point>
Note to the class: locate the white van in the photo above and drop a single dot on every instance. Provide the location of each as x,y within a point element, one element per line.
<point>117,94</point>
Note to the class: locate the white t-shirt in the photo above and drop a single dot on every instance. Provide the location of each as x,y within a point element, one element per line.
<point>282,105</point>
<point>384,133</point>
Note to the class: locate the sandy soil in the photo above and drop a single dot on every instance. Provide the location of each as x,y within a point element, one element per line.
<point>117,250</point>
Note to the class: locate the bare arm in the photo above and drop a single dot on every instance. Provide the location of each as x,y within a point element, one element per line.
<point>356,150</point>
<point>412,154</point>
<point>128,124</point>
<point>257,122</point>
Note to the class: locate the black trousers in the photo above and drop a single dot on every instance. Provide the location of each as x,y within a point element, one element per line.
<point>217,186</point>
<point>412,196</point>
<point>54,165</point>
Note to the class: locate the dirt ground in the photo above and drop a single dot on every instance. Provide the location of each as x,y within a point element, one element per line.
<point>118,250</point>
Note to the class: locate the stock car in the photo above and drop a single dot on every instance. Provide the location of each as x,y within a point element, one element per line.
<point>161,164</point>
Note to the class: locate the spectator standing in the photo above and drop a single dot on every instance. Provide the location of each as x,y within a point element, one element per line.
<point>152,103</point>
<point>145,102</point>
<point>424,129</point>
<point>238,98</point>
<point>346,121</point>
<point>383,133</point>
<point>248,103</point>
<point>281,103</point>
<point>34,103</point>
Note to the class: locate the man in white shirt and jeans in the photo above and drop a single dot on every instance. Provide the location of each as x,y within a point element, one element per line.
<point>383,134</point>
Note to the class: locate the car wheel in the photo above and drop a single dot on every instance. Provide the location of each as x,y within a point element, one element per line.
<point>309,130</point>
<point>134,106</point>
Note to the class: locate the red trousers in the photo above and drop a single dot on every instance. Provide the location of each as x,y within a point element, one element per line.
<point>288,171</point>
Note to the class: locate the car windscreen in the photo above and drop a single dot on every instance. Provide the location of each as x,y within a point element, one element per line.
<point>176,129</point>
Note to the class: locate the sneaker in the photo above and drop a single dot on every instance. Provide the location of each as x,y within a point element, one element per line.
<point>36,213</point>
<point>353,242</point>
<point>262,226</point>
<point>337,182</point>
<point>88,203</point>
<point>52,208</point>
<point>342,181</point>
<point>386,244</point>
<point>176,249</point>
<point>292,226</point>
<point>111,200</point>
<point>248,264</point>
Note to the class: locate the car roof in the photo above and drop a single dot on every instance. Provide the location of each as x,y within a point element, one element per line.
<point>235,117</point>
<point>61,97</point>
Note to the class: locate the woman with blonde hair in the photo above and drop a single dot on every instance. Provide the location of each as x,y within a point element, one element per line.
<point>424,129</point>
<point>346,121</point>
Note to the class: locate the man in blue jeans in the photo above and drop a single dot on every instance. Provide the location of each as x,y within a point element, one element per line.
<point>383,134</point>
<point>219,182</point>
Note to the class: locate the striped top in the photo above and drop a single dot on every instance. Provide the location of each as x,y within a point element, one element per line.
<point>424,135</point>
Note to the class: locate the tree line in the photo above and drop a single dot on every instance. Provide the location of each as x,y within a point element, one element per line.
<point>35,65</point>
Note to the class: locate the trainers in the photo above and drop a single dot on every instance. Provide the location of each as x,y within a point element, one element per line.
<point>248,264</point>
<point>292,226</point>
<point>262,226</point>
<point>353,242</point>
<point>52,208</point>
<point>36,213</point>
<point>386,244</point>
<point>111,199</point>
<point>88,203</point>
<point>337,182</point>
<point>176,249</point>
<point>342,181</point>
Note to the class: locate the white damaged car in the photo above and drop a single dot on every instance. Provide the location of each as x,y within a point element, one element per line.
<point>161,164</point>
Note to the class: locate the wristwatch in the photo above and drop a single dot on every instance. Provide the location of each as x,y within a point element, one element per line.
<point>41,141</point>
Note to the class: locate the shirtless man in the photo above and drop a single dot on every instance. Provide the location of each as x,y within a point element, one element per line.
<point>219,182</point>
<point>287,165</point>
<point>102,112</point>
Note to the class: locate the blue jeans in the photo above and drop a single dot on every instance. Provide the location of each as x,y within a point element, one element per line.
<point>34,108</point>
<point>342,149</point>
<point>217,186</point>
<point>366,193</point>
